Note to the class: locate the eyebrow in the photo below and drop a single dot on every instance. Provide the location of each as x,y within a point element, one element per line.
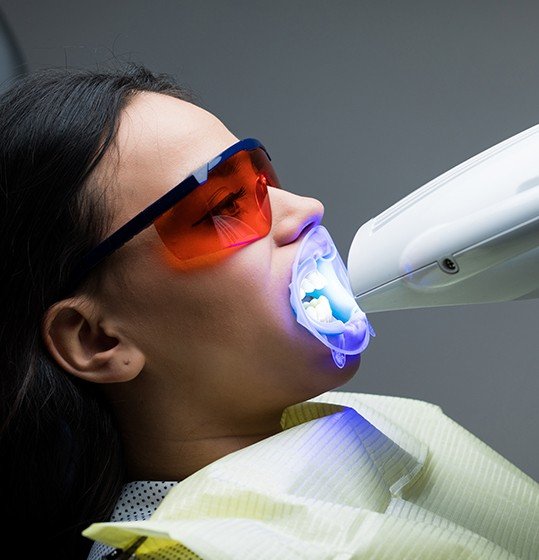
<point>225,168</point>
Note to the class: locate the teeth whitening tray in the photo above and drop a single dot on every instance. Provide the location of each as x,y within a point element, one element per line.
<point>349,331</point>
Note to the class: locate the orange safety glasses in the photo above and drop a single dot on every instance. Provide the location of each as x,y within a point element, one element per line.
<point>223,204</point>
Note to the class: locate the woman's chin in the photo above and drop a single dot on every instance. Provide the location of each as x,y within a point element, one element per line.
<point>327,375</point>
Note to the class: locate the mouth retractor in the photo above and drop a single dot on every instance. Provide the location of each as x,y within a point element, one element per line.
<point>322,298</point>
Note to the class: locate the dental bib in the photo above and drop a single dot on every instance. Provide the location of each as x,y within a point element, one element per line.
<point>322,298</point>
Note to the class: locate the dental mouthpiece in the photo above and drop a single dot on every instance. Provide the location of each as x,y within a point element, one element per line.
<point>322,298</point>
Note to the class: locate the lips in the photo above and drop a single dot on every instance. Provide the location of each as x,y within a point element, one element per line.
<point>322,298</point>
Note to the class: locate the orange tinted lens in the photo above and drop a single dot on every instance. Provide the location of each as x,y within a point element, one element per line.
<point>231,208</point>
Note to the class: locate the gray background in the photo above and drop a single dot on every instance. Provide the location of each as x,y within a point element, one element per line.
<point>359,103</point>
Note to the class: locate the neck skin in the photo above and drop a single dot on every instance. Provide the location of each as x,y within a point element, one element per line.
<point>174,439</point>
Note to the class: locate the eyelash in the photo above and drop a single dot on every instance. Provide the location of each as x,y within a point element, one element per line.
<point>227,202</point>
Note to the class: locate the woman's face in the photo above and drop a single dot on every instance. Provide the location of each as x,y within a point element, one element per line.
<point>225,330</point>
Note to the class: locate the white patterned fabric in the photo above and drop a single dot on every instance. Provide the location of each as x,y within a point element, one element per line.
<point>138,500</point>
<point>351,476</point>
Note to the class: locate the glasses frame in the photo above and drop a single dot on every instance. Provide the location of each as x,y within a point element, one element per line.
<point>147,217</point>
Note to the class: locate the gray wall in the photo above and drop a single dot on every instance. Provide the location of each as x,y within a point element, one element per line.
<point>359,103</point>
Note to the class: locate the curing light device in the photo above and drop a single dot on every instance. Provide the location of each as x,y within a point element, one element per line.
<point>469,236</point>
<point>322,298</point>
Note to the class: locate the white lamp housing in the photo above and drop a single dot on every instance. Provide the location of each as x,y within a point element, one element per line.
<point>469,236</point>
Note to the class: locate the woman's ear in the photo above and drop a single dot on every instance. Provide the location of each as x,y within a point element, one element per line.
<point>87,346</point>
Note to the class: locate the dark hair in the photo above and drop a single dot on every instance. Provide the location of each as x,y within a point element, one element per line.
<point>61,465</point>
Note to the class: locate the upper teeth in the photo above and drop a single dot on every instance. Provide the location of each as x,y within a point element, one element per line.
<point>319,309</point>
<point>313,281</point>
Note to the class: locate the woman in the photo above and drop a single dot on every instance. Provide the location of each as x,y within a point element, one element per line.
<point>153,353</point>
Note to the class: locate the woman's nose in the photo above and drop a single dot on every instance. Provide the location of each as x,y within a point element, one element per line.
<point>292,214</point>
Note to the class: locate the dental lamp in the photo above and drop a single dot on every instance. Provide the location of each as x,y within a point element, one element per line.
<point>469,236</point>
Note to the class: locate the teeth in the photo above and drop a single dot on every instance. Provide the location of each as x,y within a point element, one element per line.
<point>307,285</point>
<point>313,281</point>
<point>311,312</point>
<point>317,279</point>
<point>319,309</point>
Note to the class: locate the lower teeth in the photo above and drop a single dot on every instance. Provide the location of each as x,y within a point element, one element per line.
<point>319,309</point>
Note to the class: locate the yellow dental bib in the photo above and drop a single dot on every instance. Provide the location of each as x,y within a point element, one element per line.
<point>352,476</point>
